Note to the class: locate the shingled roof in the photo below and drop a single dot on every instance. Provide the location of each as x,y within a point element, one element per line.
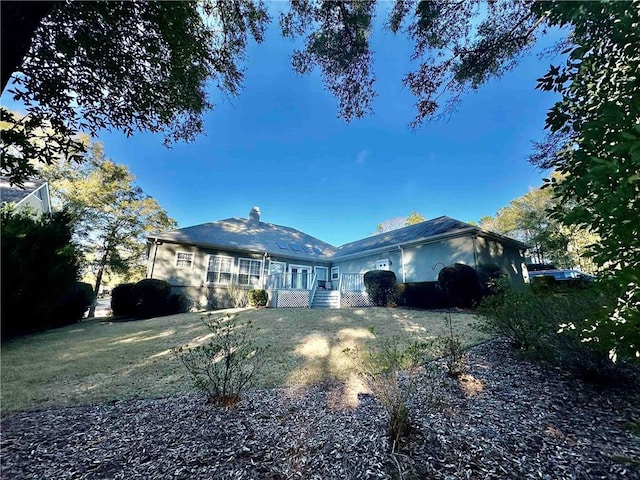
<point>253,235</point>
<point>413,233</point>
<point>13,193</point>
<point>250,234</point>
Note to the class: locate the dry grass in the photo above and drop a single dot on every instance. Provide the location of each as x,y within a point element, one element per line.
<point>99,360</point>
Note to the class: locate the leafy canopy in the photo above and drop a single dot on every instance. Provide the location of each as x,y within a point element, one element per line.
<point>125,66</point>
<point>112,214</point>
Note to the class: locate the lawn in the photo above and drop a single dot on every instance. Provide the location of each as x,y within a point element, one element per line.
<point>99,360</point>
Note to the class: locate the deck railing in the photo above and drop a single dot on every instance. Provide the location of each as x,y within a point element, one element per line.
<point>293,281</point>
<point>352,282</point>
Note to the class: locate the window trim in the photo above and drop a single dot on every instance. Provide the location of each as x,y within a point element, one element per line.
<point>231,270</point>
<point>335,271</point>
<point>249,275</point>
<point>191,262</point>
<point>381,260</point>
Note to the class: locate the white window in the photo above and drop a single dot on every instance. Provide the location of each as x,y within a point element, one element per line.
<point>184,259</point>
<point>382,264</point>
<point>249,272</point>
<point>335,273</point>
<point>219,269</point>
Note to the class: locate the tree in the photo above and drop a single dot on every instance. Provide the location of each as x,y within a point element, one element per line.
<point>598,123</point>
<point>529,219</point>
<point>39,266</point>
<point>594,128</point>
<point>112,214</point>
<point>399,222</point>
<point>87,66</point>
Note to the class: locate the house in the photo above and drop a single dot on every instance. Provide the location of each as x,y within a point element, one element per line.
<point>32,196</point>
<point>210,262</point>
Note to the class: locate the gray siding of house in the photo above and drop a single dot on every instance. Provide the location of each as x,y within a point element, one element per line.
<point>192,281</point>
<point>422,262</point>
<point>508,258</point>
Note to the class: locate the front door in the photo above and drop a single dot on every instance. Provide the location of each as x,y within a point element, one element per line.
<point>300,276</point>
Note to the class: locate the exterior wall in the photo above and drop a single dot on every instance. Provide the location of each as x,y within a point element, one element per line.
<point>37,201</point>
<point>509,259</point>
<point>422,263</point>
<point>192,281</point>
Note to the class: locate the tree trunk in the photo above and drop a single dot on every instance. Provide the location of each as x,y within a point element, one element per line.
<point>19,23</point>
<point>96,288</point>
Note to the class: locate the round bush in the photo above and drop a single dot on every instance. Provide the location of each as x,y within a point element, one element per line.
<point>460,284</point>
<point>380,285</point>
<point>73,304</point>
<point>257,297</point>
<point>150,297</point>
<point>122,304</point>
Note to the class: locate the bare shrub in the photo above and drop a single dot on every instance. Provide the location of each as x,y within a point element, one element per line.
<point>225,365</point>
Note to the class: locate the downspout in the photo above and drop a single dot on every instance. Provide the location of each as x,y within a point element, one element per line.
<point>155,252</point>
<point>404,277</point>
<point>475,251</point>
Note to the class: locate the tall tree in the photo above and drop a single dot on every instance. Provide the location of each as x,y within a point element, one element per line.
<point>120,65</point>
<point>399,222</point>
<point>112,213</point>
<point>529,219</point>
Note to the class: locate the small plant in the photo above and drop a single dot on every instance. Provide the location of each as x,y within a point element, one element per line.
<point>389,370</point>
<point>454,351</point>
<point>237,296</point>
<point>224,366</point>
<point>257,298</point>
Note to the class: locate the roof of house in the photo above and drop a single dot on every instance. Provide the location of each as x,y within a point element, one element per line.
<point>256,236</point>
<point>413,233</point>
<point>253,235</point>
<point>14,194</point>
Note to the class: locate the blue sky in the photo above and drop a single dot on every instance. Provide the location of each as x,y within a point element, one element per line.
<point>280,146</point>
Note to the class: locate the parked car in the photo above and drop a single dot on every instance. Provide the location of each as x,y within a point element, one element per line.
<point>563,275</point>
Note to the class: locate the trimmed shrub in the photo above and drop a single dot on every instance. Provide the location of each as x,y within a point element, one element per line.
<point>122,304</point>
<point>257,298</point>
<point>73,304</point>
<point>420,295</point>
<point>460,285</point>
<point>177,303</point>
<point>380,285</point>
<point>150,297</point>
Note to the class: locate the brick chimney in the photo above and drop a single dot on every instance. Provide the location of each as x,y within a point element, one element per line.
<point>254,216</point>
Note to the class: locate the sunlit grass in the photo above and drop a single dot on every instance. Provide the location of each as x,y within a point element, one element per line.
<point>99,360</point>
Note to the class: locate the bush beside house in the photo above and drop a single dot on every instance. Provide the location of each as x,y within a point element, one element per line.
<point>380,285</point>
<point>460,285</point>
<point>146,299</point>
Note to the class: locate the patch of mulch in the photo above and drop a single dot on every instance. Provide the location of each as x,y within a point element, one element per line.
<point>505,418</point>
